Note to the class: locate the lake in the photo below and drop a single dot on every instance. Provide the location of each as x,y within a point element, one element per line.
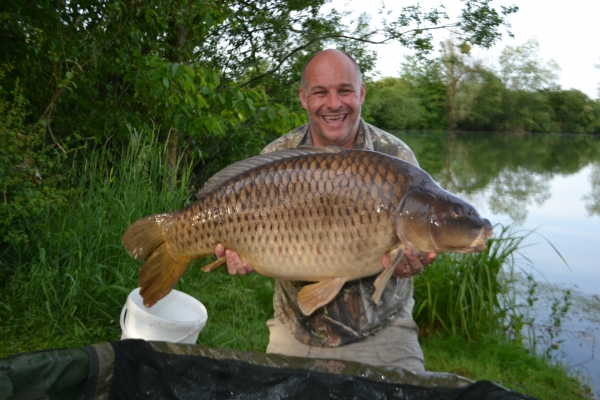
<point>549,184</point>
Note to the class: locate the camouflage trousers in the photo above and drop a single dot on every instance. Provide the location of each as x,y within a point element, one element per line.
<point>396,345</point>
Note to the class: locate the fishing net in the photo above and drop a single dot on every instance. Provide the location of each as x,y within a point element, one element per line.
<point>136,369</point>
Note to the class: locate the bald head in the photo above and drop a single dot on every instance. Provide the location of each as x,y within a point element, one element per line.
<point>332,54</point>
<point>332,92</point>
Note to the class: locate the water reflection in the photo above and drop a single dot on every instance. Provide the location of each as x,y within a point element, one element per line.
<point>592,200</point>
<point>547,183</point>
<point>512,171</point>
<point>513,191</point>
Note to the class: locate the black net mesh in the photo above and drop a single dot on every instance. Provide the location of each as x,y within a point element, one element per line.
<point>141,372</point>
<point>135,369</point>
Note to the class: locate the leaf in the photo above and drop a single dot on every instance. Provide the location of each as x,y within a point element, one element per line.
<point>189,70</point>
<point>176,70</point>
<point>201,101</point>
<point>166,82</point>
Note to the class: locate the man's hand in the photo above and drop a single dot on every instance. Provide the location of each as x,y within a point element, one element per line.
<point>414,267</point>
<point>234,262</point>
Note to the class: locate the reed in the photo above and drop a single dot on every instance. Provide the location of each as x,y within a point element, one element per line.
<point>471,295</point>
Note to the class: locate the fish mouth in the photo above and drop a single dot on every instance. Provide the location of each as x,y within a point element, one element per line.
<point>478,244</point>
<point>334,120</point>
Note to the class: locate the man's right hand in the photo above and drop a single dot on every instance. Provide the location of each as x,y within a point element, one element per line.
<point>234,262</point>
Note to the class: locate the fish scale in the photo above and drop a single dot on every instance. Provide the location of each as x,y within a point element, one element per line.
<point>327,227</point>
<point>315,215</point>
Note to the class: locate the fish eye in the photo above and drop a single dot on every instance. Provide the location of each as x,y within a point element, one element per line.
<point>456,214</point>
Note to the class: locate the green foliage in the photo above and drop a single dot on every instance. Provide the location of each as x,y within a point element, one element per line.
<point>94,68</point>
<point>480,101</point>
<point>528,112</point>
<point>193,101</point>
<point>67,285</point>
<point>392,107</point>
<point>424,82</point>
<point>235,304</point>
<point>574,111</point>
<point>477,24</point>
<point>29,171</point>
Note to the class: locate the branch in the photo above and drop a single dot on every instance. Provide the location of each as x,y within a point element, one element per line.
<point>363,39</point>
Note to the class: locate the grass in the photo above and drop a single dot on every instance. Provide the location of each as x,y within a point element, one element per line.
<point>471,294</point>
<point>492,358</point>
<point>67,285</point>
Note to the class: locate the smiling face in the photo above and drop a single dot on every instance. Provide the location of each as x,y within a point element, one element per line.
<point>332,95</point>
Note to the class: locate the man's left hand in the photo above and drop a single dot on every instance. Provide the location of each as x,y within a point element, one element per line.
<point>414,266</point>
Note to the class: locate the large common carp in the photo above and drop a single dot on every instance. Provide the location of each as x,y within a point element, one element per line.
<point>324,215</point>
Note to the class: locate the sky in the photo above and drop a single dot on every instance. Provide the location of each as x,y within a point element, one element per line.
<point>567,32</point>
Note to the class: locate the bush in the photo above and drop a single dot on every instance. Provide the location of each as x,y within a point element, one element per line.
<point>29,171</point>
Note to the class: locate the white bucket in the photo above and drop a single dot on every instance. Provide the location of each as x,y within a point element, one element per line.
<point>176,318</point>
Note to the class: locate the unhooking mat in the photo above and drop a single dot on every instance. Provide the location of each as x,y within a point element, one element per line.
<point>136,369</point>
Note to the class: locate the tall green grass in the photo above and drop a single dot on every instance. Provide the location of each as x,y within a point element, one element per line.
<point>470,295</point>
<point>476,294</point>
<point>67,285</point>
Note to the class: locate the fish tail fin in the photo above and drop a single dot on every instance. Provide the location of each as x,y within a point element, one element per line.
<point>145,240</point>
<point>144,236</point>
<point>160,273</point>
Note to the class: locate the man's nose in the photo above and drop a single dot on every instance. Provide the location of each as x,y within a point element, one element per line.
<point>333,101</point>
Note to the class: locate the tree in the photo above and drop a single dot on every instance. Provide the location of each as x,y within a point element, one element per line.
<point>574,111</point>
<point>198,72</point>
<point>423,80</point>
<point>480,101</point>
<point>598,92</point>
<point>520,68</point>
<point>390,106</point>
<point>527,111</point>
<point>456,66</point>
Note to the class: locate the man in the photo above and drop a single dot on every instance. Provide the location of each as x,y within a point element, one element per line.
<point>352,327</point>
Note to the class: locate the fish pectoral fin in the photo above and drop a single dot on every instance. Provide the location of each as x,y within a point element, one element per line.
<point>383,278</point>
<point>214,265</point>
<point>316,295</point>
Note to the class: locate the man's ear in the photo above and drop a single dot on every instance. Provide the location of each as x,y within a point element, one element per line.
<point>303,98</point>
<point>363,92</point>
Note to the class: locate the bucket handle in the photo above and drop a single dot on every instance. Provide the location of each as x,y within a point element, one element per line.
<point>122,318</point>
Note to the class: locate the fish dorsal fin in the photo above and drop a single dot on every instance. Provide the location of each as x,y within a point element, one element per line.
<point>316,295</point>
<point>244,165</point>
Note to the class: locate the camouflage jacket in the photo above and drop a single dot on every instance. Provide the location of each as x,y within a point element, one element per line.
<point>352,315</point>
